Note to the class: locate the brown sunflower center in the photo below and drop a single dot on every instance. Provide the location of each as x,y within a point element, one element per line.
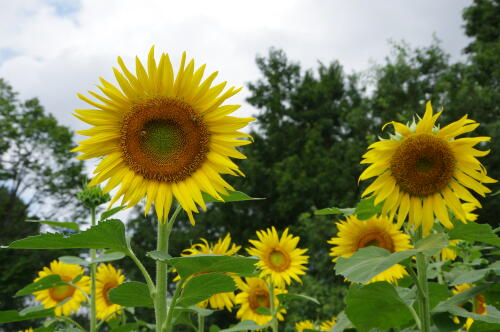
<point>62,292</point>
<point>105,291</point>
<point>279,260</point>
<point>164,139</point>
<point>259,298</point>
<point>423,165</point>
<point>377,239</point>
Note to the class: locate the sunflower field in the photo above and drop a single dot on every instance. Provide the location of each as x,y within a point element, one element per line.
<point>333,209</point>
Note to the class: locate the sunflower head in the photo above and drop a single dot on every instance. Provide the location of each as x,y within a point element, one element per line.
<point>328,324</point>
<point>354,234</point>
<point>255,294</point>
<point>304,325</point>
<point>107,278</point>
<point>65,299</point>
<point>423,169</point>
<point>280,259</point>
<point>27,330</point>
<point>221,247</point>
<point>162,135</point>
<point>478,303</point>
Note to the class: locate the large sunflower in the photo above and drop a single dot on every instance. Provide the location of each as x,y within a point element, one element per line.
<point>222,247</point>
<point>162,135</point>
<point>422,169</point>
<point>65,299</point>
<point>478,303</point>
<point>279,257</point>
<point>107,278</point>
<point>354,234</point>
<point>255,294</point>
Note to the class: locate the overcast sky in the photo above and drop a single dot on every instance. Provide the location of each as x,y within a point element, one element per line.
<point>53,49</point>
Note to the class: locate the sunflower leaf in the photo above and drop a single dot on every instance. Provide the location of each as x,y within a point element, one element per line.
<point>233,196</point>
<point>475,233</point>
<point>366,208</point>
<point>203,286</point>
<point>10,316</point>
<point>186,266</point>
<point>263,311</point>
<point>73,260</point>
<point>479,326</point>
<point>492,316</point>
<point>376,305</point>
<point>246,325</point>
<point>335,210</point>
<point>131,294</point>
<point>431,244</point>
<point>106,214</point>
<point>342,323</point>
<point>294,296</point>
<point>50,281</point>
<point>62,224</point>
<point>107,234</point>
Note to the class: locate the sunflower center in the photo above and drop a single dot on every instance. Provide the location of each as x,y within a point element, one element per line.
<point>423,165</point>
<point>376,239</point>
<point>105,291</point>
<point>164,139</point>
<point>279,260</point>
<point>62,292</point>
<point>259,298</point>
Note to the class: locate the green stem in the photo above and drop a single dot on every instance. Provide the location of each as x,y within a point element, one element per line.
<point>201,323</point>
<point>423,298</point>
<point>160,299</point>
<point>415,316</point>
<point>147,277</point>
<point>167,326</point>
<point>274,321</point>
<point>93,271</point>
<point>70,321</point>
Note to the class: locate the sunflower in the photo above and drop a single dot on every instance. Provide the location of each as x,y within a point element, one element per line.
<point>65,299</point>
<point>479,305</point>
<point>255,294</point>
<point>451,253</point>
<point>107,278</point>
<point>354,234</point>
<point>422,169</point>
<point>304,325</point>
<point>162,135</point>
<point>279,257</point>
<point>222,247</point>
<point>27,330</point>
<point>327,325</point>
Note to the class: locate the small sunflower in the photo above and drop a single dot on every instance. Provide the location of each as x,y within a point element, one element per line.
<point>162,135</point>
<point>451,253</point>
<point>304,325</point>
<point>354,234</point>
<point>107,278</point>
<point>279,257</point>
<point>422,169</point>
<point>478,303</point>
<point>222,247</point>
<point>255,294</point>
<point>71,296</point>
<point>328,324</point>
<point>27,330</point>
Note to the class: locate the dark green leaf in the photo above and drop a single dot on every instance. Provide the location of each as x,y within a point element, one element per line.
<point>62,224</point>
<point>437,293</point>
<point>470,277</point>
<point>107,234</point>
<point>457,310</point>
<point>131,294</point>
<point>50,281</point>
<point>106,214</point>
<point>294,296</point>
<point>445,322</point>
<point>10,316</point>
<point>474,232</point>
<point>263,311</point>
<point>334,210</point>
<point>203,286</point>
<point>186,266</point>
<point>376,305</point>
<point>233,196</point>
<point>461,298</point>
<point>246,325</point>
<point>479,326</point>
<point>365,208</point>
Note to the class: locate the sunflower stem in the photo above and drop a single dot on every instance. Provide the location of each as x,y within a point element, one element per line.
<point>160,299</point>
<point>201,323</point>
<point>167,326</point>
<point>93,268</point>
<point>274,321</point>
<point>423,299</point>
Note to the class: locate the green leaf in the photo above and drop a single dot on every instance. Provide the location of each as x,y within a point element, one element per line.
<point>10,316</point>
<point>376,305</point>
<point>131,294</point>
<point>106,214</point>
<point>445,323</point>
<point>109,256</point>
<point>470,277</point>
<point>432,244</point>
<point>203,286</point>
<point>437,293</point>
<point>493,318</point>
<point>128,327</point>
<point>461,297</point>
<point>479,326</point>
<point>263,311</point>
<point>474,232</point>
<point>342,323</point>
<point>107,234</point>
<point>294,296</point>
<point>62,224</point>
<point>197,310</point>
<point>366,208</point>
<point>233,196</point>
<point>245,325</point>
<point>50,281</point>
<point>335,210</point>
<point>73,260</point>
<point>158,255</point>
<point>186,266</point>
